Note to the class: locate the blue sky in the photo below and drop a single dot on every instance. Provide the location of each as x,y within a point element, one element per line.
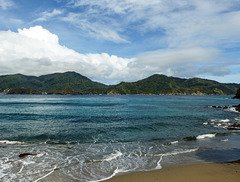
<point>121,40</point>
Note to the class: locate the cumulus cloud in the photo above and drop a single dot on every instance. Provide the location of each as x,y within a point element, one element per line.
<point>36,51</point>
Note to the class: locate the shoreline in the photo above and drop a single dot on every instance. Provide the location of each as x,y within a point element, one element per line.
<point>208,172</point>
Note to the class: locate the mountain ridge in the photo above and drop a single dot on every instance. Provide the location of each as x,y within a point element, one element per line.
<point>74,83</point>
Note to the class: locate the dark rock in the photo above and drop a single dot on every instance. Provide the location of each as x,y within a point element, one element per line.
<point>234,126</point>
<point>238,108</point>
<point>25,155</point>
<point>191,138</point>
<point>237,96</point>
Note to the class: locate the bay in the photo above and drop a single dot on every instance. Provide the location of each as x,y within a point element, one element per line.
<point>91,137</point>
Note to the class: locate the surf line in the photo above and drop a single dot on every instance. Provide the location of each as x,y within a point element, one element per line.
<point>46,174</point>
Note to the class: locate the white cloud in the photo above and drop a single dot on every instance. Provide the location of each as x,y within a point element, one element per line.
<point>46,15</point>
<point>97,29</point>
<point>195,33</point>
<point>187,62</point>
<point>39,33</point>
<point>5,4</point>
<point>36,51</point>
<point>184,22</point>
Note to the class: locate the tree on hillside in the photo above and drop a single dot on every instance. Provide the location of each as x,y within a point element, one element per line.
<point>68,90</point>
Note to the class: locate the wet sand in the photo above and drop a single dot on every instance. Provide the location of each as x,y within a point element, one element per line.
<point>211,172</point>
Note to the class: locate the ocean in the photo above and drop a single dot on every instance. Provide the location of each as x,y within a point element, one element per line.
<point>94,137</point>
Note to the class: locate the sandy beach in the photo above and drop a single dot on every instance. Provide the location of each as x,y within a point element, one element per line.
<point>211,172</point>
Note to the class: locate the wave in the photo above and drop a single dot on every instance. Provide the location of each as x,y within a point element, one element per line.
<point>174,142</point>
<point>224,120</point>
<point>225,140</point>
<point>199,137</point>
<point>219,123</point>
<point>107,158</point>
<point>176,152</point>
<point>10,142</point>
<point>171,143</point>
<point>116,171</point>
<point>112,156</point>
<point>46,174</point>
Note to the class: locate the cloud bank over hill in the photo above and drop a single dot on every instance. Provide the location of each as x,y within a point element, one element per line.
<point>37,51</point>
<point>121,40</point>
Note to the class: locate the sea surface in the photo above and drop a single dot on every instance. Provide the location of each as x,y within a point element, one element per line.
<point>92,138</point>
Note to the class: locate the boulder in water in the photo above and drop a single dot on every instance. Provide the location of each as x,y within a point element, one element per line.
<point>25,155</point>
<point>234,126</point>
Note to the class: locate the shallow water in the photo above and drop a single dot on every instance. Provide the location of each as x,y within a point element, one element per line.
<point>90,138</point>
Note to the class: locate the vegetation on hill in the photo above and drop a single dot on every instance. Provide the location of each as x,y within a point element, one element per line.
<point>161,84</point>
<point>57,83</point>
<point>23,91</point>
<point>74,83</point>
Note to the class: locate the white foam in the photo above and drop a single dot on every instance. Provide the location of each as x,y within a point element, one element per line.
<point>116,171</point>
<point>10,142</point>
<point>232,109</point>
<point>199,137</point>
<point>175,142</point>
<point>224,120</point>
<point>21,169</point>
<point>176,152</point>
<point>159,163</point>
<point>224,140</point>
<point>112,156</point>
<point>27,162</point>
<point>109,157</point>
<point>46,174</point>
<point>41,154</point>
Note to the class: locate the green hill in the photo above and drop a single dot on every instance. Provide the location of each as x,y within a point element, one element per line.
<point>59,83</point>
<point>161,84</point>
<point>74,83</point>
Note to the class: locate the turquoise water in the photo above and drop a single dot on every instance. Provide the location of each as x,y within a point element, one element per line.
<point>90,138</point>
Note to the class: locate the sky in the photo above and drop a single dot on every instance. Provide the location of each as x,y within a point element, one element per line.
<point>121,40</point>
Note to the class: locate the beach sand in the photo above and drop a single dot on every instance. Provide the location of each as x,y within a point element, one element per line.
<point>210,172</point>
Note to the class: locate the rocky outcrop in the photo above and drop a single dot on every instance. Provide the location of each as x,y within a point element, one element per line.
<point>237,96</point>
<point>235,126</point>
<point>25,155</point>
<point>235,108</point>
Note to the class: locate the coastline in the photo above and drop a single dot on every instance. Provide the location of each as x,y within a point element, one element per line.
<point>207,172</point>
